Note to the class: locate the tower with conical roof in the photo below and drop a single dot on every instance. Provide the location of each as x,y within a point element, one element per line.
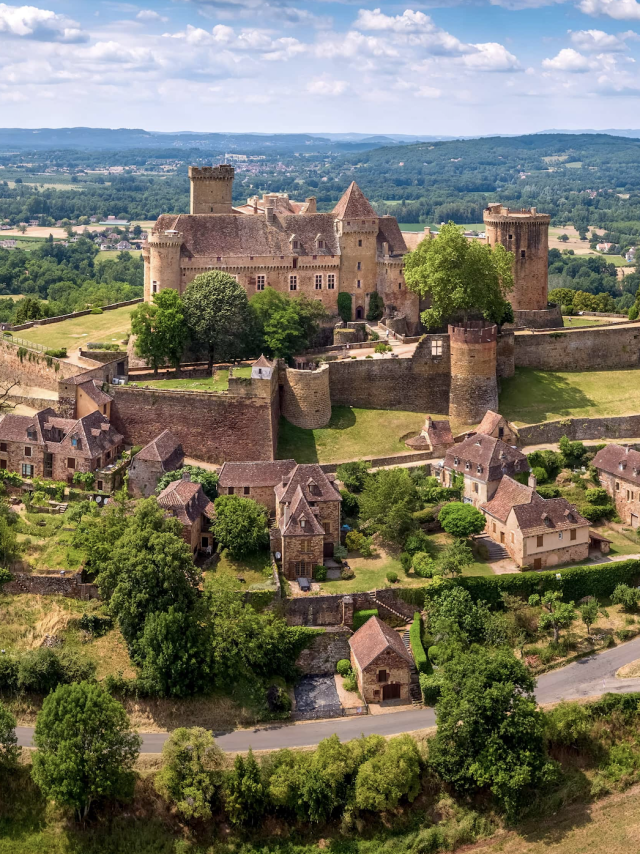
<point>356,225</point>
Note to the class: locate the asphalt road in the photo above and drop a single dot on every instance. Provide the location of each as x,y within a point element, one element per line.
<point>589,677</point>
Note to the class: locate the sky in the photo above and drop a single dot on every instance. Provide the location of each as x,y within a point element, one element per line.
<point>433,67</point>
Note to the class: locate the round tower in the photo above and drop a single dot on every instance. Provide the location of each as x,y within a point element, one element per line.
<point>306,399</point>
<point>526,234</point>
<point>211,189</point>
<point>474,384</point>
<point>162,262</point>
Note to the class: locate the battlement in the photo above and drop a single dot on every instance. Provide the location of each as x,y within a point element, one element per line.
<point>165,239</point>
<point>497,212</point>
<point>224,172</point>
<point>473,332</point>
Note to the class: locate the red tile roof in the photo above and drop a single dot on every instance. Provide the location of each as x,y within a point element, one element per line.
<point>315,484</point>
<point>619,460</point>
<point>374,638</point>
<point>255,474</point>
<point>490,422</point>
<point>186,501</point>
<point>300,520</point>
<point>488,458</point>
<point>534,514</point>
<point>354,204</point>
<point>164,448</point>
<point>93,390</point>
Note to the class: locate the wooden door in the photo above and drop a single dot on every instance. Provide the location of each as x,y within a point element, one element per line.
<point>537,563</point>
<point>391,692</point>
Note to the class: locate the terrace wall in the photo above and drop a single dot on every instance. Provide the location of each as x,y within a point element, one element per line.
<point>587,349</point>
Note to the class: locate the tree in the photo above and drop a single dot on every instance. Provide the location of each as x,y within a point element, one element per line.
<point>461,520</point>
<point>353,475</point>
<point>376,306</point>
<point>285,326</point>
<point>626,596</point>
<point>556,614</point>
<point>149,345</point>
<point>28,309</point>
<point>9,750</point>
<point>217,313</point>
<point>589,612</point>
<point>384,780</point>
<point>459,276</point>
<point>455,557</point>
<point>190,772</point>
<point>244,797</point>
<point>85,747</point>
<point>490,731</point>
<point>241,525</point>
<point>344,306</point>
<point>454,618</point>
<point>388,501</point>
<point>206,478</point>
<point>171,326</point>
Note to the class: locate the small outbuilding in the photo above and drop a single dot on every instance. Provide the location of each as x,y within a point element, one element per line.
<point>381,662</point>
<point>160,456</point>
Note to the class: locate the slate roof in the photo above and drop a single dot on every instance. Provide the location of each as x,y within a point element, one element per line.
<point>374,638</point>
<point>308,477</point>
<point>488,458</point>
<point>390,233</point>
<point>186,501</point>
<point>166,449</point>
<point>490,422</point>
<point>354,204</point>
<point>93,390</point>
<point>255,474</point>
<point>94,433</point>
<point>433,433</point>
<point>291,522</point>
<point>534,514</point>
<point>621,461</point>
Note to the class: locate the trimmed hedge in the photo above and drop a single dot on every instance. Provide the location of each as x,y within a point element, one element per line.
<point>415,637</point>
<point>361,617</point>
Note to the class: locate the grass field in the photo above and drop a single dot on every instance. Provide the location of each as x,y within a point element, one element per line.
<point>573,322</point>
<point>532,396</point>
<point>109,255</point>
<point>351,434</point>
<point>218,383</point>
<point>110,326</point>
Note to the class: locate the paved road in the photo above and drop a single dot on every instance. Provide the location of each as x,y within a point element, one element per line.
<point>588,677</point>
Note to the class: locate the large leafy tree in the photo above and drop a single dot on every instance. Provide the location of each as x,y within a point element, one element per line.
<point>160,329</point>
<point>240,525</point>
<point>190,772</point>
<point>556,614</point>
<point>388,501</point>
<point>285,326</point>
<point>85,747</point>
<point>490,731</point>
<point>9,750</point>
<point>459,276</point>
<point>217,313</point>
<point>461,520</point>
<point>384,780</point>
<point>149,345</point>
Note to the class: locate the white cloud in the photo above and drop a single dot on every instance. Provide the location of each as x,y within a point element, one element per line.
<point>597,40</point>
<point>115,52</point>
<point>524,4</point>
<point>621,10</point>
<point>33,23</point>
<point>413,28</point>
<point>326,86</point>
<point>568,60</point>
<point>150,15</point>
<point>428,92</point>
<point>491,57</point>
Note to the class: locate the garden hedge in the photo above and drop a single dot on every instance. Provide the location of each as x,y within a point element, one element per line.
<point>361,617</point>
<point>415,637</point>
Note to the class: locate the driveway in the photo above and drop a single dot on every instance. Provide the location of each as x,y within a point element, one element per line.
<point>591,676</point>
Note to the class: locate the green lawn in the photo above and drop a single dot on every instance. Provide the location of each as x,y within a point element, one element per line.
<point>532,396</point>
<point>573,322</point>
<point>110,326</point>
<point>351,434</point>
<point>255,569</point>
<point>110,254</point>
<point>219,383</point>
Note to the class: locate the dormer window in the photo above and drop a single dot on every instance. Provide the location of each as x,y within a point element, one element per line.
<point>303,523</point>
<point>467,466</point>
<point>31,435</point>
<point>479,469</point>
<point>622,466</point>
<point>456,461</point>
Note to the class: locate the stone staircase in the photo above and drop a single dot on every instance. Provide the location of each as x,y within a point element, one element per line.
<point>496,550</point>
<point>62,508</point>
<point>391,610</point>
<point>414,686</point>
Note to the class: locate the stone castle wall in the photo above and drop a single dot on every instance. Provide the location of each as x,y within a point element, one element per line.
<point>604,348</point>
<point>33,369</point>
<point>329,610</point>
<point>474,384</point>
<point>581,429</point>
<point>306,399</point>
<point>70,586</point>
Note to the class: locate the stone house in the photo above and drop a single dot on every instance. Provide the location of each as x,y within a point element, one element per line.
<point>282,244</point>
<point>381,662</point>
<point>436,436</point>
<point>496,425</point>
<point>53,448</point>
<point>482,461</point>
<point>187,503</point>
<point>537,532</point>
<point>619,473</point>
<point>91,398</point>
<point>255,480</point>
<point>153,461</point>
<point>307,523</point>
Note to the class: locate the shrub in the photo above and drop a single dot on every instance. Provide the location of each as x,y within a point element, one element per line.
<point>343,667</point>
<point>361,617</point>
<point>461,520</point>
<point>42,670</point>
<point>367,548</point>
<point>320,573</point>
<point>374,336</point>
<point>344,306</point>
<point>353,541</point>
<point>61,353</point>
<point>424,516</point>
<point>392,577</point>
<point>596,512</point>
<point>188,776</point>
<point>405,561</point>
<point>568,724</point>
<point>350,506</point>
<point>423,565</point>
<point>548,491</point>
<point>346,573</point>
<point>418,541</point>
<point>350,683</point>
<point>539,473</point>
<point>339,552</point>
<point>278,701</point>
<point>598,496</point>
<point>430,685</point>
<point>353,475</point>
<point>96,310</point>
<point>382,347</point>
<point>8,674</point>
<point>415,637</point>
<point>95,625</point>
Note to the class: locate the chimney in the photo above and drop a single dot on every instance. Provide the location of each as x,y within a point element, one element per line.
<point>311,206</point>
<point>533,480</point>
<point>385,249</point>
<point>269,212</point>
<point>186,476</point>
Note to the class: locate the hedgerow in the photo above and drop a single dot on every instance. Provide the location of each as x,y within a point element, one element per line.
<point>415,637</point>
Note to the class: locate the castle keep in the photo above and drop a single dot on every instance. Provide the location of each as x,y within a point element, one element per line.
<point>274,242</point>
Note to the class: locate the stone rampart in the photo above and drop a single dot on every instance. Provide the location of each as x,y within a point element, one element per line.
<point>306,399</point>
<point>32,369</point>
<point>581,429</point>
<point>474,386</point>
<point>606,347</point>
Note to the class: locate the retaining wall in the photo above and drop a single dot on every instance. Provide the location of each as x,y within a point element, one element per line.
<point>30,368</point>
<point>598,348</point>
<point>325,651</point>
<point>328,610</point>
<point>580,429</point>
<point>70,586</point>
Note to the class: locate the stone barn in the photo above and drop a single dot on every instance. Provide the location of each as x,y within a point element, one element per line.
<point>381,662</point>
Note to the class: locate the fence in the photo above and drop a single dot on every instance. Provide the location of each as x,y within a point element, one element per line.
<point>22,342</point>
<point>329,710</point>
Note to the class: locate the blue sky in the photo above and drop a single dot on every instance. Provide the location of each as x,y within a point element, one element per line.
<point>429,67</point>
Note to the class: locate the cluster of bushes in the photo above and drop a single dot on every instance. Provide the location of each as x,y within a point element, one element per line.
<point>355,541</point>
<point>60,353</point>
<point>40,671</point>
<point>361,617</point>
<point>415,637</point>
<point>344,669</point>
<point>102,345</point>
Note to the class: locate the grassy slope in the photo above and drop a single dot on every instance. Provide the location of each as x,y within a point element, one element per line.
<point>219,383</point>
<point>351,433</point>
<point>532,396</point>
<point>110,326</point>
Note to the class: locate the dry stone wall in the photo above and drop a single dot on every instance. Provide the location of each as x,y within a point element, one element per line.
<point>581,429</point>
<point>579,350</point>
<point>70,586</point>
<point>325,651</point>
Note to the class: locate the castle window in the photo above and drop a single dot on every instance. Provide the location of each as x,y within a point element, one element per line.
<point>331,281</point>
<point>359,283</point>
<point>27,471</point>
<point>359,242</point>
<point>510,236</point>
<point>523,253</point>
<point>296,244</point>
<point>295,263</point>
<point>27,451</point>
<point>540,541</point>
<point>219,258</point>
<point>71,463</point>
<point>560,535</point>
<point>293,283</point>
<point>231,490</point>
<point>399,286</point>
<point>319,281</point>
<point>260,283</point>
<point>321,244</point>
<point>359,265</point>
<point>246,490</point>
<point>436,348</point>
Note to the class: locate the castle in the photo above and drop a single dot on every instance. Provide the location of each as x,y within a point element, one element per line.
<point>289,246</point>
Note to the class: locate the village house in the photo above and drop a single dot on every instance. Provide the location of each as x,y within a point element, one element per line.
<point>537,532</point>
<point>381,662</point>
<point>482,461</point>
<point>255,480</point>
<point>53,448</point>
<point>436,437</point>
<point>160,456</point>
<point>619,473</point>
<point>496,425</point>
<point>187,503</point>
